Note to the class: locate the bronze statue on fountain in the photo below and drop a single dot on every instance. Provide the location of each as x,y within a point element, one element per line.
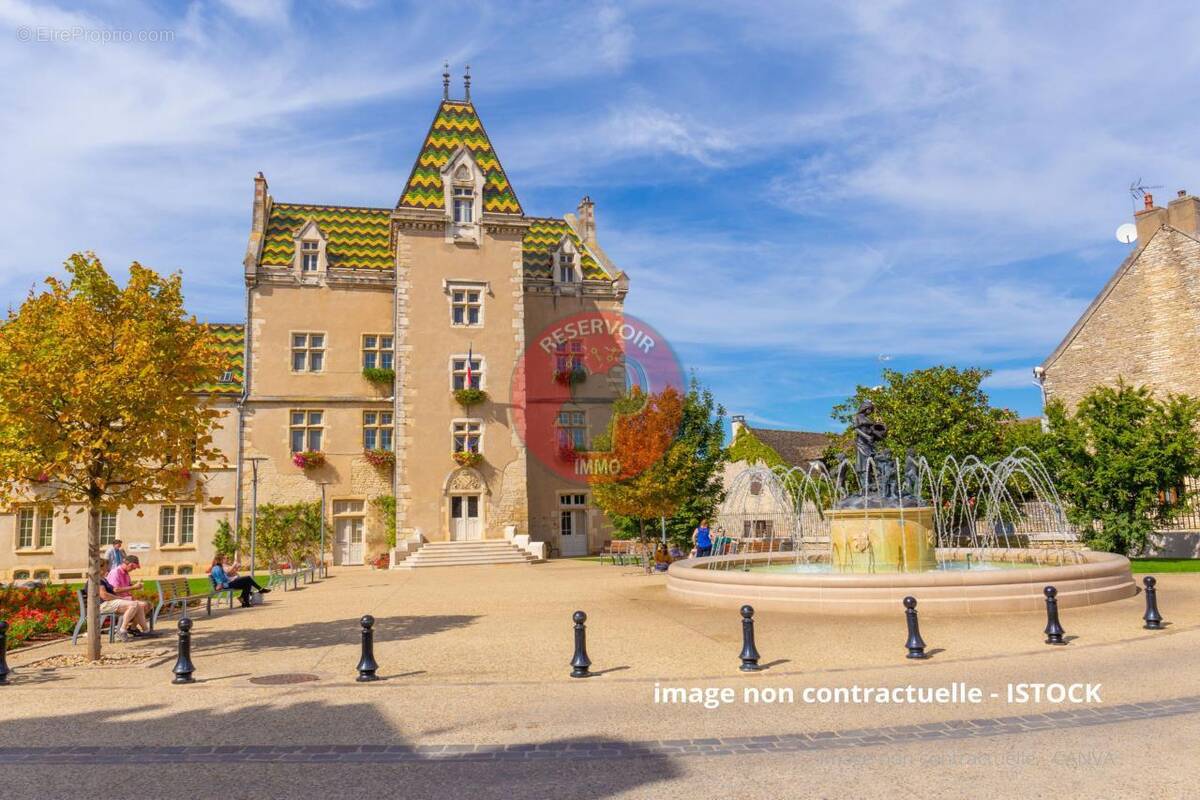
<point>880,482</point>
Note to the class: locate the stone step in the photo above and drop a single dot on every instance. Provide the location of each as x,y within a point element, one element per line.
<point>471,553</point>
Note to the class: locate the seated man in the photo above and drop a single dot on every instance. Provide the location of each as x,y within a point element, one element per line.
<point>122,586</point>
<point>133,612</point>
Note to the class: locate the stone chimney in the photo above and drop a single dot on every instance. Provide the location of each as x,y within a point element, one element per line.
<point>258,225</point>
<point>1149,220</point>
<point>1183,213</point>
<point>258,220</point>
<point>739,424</point>
<point>587,220</point>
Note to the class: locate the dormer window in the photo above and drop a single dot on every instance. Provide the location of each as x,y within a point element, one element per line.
<point>310,260</point>
<point>462,181</point>
<point>566,268</point>
<point>464,204</point>
<point>310,254</point>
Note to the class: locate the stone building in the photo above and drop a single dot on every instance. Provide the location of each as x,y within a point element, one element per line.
<point>1143,327</point>
<point>360,325</point>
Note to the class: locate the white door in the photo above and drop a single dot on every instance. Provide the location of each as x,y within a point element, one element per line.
<point>465,524</point>
<point>572,525</point>
<point>349,539</point>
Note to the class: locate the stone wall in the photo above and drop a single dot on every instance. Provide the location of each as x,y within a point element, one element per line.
<point>1143,328</point>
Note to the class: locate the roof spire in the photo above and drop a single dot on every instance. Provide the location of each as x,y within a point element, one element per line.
<point>467,82</point>
<point>445,80</point>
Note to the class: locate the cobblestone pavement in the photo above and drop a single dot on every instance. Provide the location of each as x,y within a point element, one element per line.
<point>605,749</point>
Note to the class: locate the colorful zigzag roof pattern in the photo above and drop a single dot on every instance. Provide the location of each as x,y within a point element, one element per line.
<point>231,343</point>
<point>358,238</point>
<point>457,125</point>
<point>540,243</point>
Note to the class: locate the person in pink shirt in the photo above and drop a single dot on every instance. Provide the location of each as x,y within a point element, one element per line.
<point>123,586</point>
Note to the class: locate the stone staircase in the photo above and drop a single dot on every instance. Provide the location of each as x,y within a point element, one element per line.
<point>458,554</point>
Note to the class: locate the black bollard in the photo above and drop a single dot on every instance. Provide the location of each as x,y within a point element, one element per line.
<point>749,654</point>
<point>4,670</point>
<point>915,644</point>
<point>1152,618</point>
<point>183,664</point>
<point>1054,631</point>
<point>366,665</point>
<point>580,662</point>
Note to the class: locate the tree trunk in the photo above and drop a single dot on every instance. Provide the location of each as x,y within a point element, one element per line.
<point>93,584</point>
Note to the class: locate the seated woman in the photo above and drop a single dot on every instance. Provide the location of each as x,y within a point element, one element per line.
<point>223,577</point>
<point>662,557</point>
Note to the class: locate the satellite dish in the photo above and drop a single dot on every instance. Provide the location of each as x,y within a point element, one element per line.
<point>1127,233</point>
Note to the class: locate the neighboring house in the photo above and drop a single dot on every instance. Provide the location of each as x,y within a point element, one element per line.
<point>751,506</point>
<point>1144,325</point>
<point>455,267</point>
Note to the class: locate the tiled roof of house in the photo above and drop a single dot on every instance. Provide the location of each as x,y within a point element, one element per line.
<point>457,125</point>
<point>358,238</point>
<point>231,342</point>
<point>541,240</point>
<point>797,448</point>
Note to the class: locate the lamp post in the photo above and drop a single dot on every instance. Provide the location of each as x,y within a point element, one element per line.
<point>321,563</point>
<point>253,506</point>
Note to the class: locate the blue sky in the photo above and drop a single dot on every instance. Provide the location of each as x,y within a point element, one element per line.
<point>802,193</point>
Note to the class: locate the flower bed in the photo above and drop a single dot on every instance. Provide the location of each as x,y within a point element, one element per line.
<point>40,613</point>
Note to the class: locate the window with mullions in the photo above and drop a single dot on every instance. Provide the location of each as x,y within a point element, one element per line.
<point>308,352</point>
<point>459,373</point>
<point>307,430</point>
<point>377,430</point>
<point>467,435</point>
<point>377,351</point>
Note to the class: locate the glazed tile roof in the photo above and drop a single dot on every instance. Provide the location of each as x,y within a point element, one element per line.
<point>541,240</point>
<point>358,238</point>
<point>457,125</point>
<point>231,342</point>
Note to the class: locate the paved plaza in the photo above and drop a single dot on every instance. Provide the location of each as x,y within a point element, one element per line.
<point>476,700</point>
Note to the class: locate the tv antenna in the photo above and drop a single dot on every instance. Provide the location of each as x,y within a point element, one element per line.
<point>1138,191</point>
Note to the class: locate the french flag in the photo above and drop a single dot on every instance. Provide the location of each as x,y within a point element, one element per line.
<point>470,382</point>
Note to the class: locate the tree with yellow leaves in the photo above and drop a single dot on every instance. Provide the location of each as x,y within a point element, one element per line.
<point>97,399</point>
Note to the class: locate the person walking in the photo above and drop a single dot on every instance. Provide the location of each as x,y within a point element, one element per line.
<point>227,578</point>
<point>702,538</point>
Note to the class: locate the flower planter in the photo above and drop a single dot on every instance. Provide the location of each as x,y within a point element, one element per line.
<point>468,459</point>
<point>570,377</point>
<point>380,458</point>
<point>470,397</point>
<point>380,376</point>
<point>309,459</point>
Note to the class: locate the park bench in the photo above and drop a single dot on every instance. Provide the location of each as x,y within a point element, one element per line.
<point>618,551</point>
<point>277,577</point>
<point>109,617</point>
<point>306,570</point>
<point>177,592</point>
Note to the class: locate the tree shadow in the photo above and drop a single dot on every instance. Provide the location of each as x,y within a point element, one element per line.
<point>326,633</point>
<point>305,749</point>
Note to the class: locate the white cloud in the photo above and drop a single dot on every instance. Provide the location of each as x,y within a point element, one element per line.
<point>1010,378</point>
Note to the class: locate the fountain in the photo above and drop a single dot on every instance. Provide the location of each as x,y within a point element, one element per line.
<point>972,537</point>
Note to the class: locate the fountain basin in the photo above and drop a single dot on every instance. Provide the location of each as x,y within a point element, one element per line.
<point>720,581</point>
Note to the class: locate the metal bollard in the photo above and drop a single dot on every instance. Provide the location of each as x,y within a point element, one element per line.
<point>1152,618</point>
<point>749,653</point>
<point>366,664</point>
<point>580,661</point>
<point>915,644</point>
<point>4,670</point>
<point>1054,631</point>
<point>183,664</point>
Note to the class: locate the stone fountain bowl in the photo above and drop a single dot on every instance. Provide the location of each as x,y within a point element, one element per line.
<point>1096,578</point>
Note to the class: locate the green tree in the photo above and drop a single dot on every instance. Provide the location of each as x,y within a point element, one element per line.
<point>938,412</point>
<point>684,481</point>
<point>225,541</point>
<point>385,504</point>
<point>97,402</point>
<point>287,532</point>
<point>1120,462</point>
